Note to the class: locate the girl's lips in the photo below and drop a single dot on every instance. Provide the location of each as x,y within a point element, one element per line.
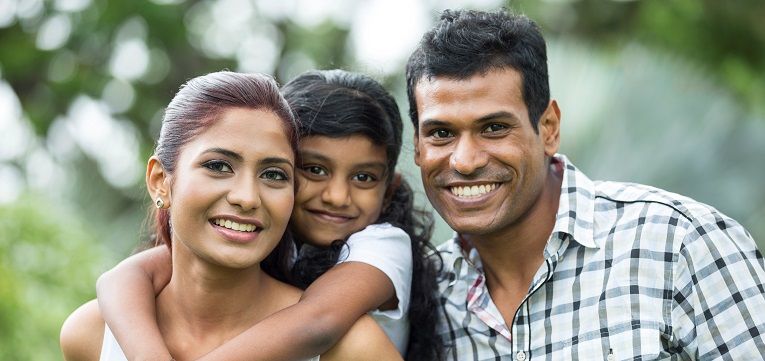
<point>330,217</point>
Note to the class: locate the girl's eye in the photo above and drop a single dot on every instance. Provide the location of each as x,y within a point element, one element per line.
<point>275,175</point>
<point>218,166</point>
<point>315,169</point>
<point>364,177</point>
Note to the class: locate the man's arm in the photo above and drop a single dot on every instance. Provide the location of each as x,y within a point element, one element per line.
<point>719,297</point>
<point>325,312</point>
<point>126,296</point>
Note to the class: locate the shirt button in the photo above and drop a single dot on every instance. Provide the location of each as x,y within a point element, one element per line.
<point>520,356</point>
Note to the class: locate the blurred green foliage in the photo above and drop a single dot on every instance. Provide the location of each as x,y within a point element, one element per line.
<point>49,261</point>
<point>667,93</point>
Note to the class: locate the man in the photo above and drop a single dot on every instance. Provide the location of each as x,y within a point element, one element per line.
<point>546,263</point>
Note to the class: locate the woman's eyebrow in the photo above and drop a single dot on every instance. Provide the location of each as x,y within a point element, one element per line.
<point>225,152</point>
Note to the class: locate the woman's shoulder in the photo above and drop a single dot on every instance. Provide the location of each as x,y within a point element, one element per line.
<point>286,294</point>
<point>82,333</point>
<point>364,341</point>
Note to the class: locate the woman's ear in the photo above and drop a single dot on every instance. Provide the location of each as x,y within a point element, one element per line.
<point>158,183</point>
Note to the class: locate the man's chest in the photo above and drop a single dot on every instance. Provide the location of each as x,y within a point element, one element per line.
<point>611,310</point>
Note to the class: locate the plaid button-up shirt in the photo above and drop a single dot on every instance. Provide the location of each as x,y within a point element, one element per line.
<point>631,272</point>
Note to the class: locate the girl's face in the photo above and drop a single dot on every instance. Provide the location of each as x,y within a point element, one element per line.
<point>342,187</point>
<point>231,194</point>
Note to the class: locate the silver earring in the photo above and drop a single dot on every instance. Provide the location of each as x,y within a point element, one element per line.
<point>160,203</point>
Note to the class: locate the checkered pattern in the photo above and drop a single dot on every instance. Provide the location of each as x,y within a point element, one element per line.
<point>630,273</point>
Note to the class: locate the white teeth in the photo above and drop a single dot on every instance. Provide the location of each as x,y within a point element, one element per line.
<point>241,227</point>
<point>473,191</point>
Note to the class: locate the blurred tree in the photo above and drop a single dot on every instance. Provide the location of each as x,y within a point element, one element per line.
<point>724,38</point>
<point>48,265</point>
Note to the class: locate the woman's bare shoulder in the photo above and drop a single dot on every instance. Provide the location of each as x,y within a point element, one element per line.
<point>364,341</point>
<point>286,295</point>
<point>82,333</point>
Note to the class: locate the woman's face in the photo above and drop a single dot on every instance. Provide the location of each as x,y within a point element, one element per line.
<point>232,190</point>
<point>342,187</point>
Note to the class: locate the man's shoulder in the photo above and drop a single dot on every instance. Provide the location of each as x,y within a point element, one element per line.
<point>641,195</point>
<point>653,206</point>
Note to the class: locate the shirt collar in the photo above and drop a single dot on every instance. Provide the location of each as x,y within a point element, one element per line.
<point>576,209</point>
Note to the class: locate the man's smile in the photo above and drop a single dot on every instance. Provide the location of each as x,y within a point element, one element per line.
<point>475,190</point>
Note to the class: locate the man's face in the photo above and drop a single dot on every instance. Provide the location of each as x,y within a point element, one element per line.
<point>483,165</point>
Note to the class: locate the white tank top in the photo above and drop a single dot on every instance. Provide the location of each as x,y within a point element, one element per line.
<point>111,350</point>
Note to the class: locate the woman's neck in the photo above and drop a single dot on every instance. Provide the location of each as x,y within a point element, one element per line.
<point>205,305</point>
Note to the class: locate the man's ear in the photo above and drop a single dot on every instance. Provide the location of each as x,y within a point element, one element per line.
<point>549,128</point>
<point>158,182</point>
<point>417,148</point>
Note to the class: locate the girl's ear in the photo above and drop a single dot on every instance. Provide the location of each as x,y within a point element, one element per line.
<point>158,183</point>
<point>392,187</point>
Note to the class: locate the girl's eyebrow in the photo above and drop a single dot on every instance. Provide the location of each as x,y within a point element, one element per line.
<point>316,156</point>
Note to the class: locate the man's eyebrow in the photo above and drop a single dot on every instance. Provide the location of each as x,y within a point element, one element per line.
<point>434,123</point>
<point>496,116</point>
<point>486,118</point>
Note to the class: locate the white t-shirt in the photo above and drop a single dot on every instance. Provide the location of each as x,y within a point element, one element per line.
<point>388,249</point>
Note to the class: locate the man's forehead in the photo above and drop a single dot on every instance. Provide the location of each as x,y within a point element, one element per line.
<point>489,92</point>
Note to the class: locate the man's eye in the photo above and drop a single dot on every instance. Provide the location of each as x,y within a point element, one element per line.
<point>441,133</point>
<point>495,128</point>
<point>218,166</point>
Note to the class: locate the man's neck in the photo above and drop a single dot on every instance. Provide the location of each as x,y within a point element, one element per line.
<point>511,259</point>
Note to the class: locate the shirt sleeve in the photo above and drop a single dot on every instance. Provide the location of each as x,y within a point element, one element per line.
<point>388,249</point>
<point>718,301</point>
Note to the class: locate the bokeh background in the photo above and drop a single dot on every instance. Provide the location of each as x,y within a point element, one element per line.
<point>668,93</point>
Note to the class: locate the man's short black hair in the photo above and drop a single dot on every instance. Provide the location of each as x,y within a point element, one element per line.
<point>465,43</point>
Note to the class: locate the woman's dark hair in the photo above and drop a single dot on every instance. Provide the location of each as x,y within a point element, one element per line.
<point>465,43</point>
<point>337,104</point>
<point>199,103</point>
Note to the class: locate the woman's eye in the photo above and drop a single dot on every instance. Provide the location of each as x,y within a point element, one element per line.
<point>218,166</point>
<point>275,174</point>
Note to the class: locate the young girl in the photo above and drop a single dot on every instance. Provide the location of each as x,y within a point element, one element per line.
<point>221,179</point>
<point>355,220</point>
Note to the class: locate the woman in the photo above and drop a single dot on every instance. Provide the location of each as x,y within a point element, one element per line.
<point>222,179</point>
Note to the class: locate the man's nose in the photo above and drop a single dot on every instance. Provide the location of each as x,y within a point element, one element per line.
<point>468,156</point>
